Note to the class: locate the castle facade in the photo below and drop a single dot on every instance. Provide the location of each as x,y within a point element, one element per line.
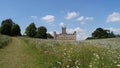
<point>64,35</point>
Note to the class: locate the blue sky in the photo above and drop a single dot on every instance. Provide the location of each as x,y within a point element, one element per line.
<point>84,16</point>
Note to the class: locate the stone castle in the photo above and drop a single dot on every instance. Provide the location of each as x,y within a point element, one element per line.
<point>64,35</point>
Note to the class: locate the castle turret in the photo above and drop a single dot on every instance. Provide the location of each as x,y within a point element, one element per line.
<point>74,33</point>
<point>55,35</point>
<point>63,30</point>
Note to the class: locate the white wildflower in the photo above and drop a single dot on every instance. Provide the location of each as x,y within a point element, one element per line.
<point>118,65</point>
<point>76,61</point>
<point>65,49</point>
<point>65,53</point>
<point>71,48</point>
<point>90,66</point>
<point>59,62</point>
<point>115,61</point>
<point>77,67</point>
<point>96,55</point>
<point>67,66</point>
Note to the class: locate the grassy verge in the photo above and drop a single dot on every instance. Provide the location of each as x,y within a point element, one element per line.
<point>4,40</point>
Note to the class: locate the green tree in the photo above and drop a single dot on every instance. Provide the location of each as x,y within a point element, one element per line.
<point>118,35</point>
<point>111,35</point>
<point>89,38</point>
<point>8,21</point>
<point>41,32</point>
<point>100,33</point>
<point>31,30</point>
<point>49,36</point>
<point>6,27</point>
<point>0,29</point>
<point>15,30</point>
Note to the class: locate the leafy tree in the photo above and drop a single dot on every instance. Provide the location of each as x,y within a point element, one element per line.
<point>6,27</point>
<point>118,35</point>
<point>31,30</point>
<point>8,21</point>
<point>111,35</point>
<point>41,32</point>
<point>89,38</point>
<point>49,36</point>
<point>0,29</point>
<point>15,30</point>
<point>100,33</point>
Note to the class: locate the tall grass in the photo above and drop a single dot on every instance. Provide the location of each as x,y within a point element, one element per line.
<point>73,54</point>
<point>4,40</point>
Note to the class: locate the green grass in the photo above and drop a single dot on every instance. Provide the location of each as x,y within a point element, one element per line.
<point>70,54</point>
<point>36,53</point>
<point>4,40</point>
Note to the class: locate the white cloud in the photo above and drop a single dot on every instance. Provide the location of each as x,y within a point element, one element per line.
<point>34,17</point>
<point>71,15</point>
<point>83,19</point>
<point>115,30</point>
<point>62,24</point>
<point>81,34</point>
<point>49,18</point>
<point>89,18</point>
<point>114,17</point>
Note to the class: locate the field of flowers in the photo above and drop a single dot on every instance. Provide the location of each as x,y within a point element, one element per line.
<point>4,40</point>
<point>104,53</point>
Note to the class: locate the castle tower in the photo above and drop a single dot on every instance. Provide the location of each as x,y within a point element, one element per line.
<point>74,35</point>
<point>63,30</point>
<point>55,35</point>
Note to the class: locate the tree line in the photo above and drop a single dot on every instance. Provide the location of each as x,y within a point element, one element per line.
<point>8,27</point>
<point>40,32</point>
<point>100,33</point>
